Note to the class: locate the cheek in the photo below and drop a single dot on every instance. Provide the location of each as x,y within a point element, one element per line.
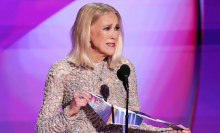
<point>95,35</point>
<point>99,33</point>
<point>117,35</point>
<point>104,35</point>
<point>99,37</point>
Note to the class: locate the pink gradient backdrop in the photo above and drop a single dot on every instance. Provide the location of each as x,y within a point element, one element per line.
<point>160,40</point>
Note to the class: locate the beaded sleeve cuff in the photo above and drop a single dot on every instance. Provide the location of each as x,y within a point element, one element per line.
<point>74,117</point>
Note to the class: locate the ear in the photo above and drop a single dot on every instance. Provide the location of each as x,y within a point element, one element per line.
<point>90,33</point>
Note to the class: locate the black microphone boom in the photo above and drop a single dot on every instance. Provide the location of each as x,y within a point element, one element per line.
<point>123,74</point>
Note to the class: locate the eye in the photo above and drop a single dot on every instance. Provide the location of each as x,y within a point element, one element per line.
<point>107,28</point>
<point>117,28</point>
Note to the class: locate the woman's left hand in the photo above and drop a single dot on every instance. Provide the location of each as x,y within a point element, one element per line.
<point>186,130</point>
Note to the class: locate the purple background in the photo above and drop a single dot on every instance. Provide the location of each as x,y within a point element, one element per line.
<point>207,115</point>
<point>175,52</point>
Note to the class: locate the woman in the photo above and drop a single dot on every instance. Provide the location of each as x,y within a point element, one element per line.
<point>92,62</point>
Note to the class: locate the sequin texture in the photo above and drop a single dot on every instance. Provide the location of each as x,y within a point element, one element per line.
<point>65,78</point>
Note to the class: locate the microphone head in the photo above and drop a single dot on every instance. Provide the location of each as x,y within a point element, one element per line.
<point>124,72</point>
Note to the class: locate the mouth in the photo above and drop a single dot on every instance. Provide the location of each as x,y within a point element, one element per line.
<point>111,44</point>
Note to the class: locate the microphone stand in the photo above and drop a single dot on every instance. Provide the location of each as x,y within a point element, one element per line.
<point>123,74</point>
<point>125,83</point>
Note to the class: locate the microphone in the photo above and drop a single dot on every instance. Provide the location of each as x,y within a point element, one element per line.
<point>104,91</point>
<point>123,74</point>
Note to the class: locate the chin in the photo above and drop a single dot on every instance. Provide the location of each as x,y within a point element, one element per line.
<point>111,54</point>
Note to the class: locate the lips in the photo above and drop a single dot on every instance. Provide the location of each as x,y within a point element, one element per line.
<point>111,44</point>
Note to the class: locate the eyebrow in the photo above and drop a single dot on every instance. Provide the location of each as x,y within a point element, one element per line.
<point>111,25</point>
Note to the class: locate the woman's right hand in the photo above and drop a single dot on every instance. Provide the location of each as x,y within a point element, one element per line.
<point>80,99</point>
<point>186,130</point>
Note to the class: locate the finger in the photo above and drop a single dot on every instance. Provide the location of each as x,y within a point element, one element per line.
<point>85,93</point>
<point>87,99</point>
<point>187,130</point>
<point>76,95</point>
<point>81,102</point>
<point>79,95</point>
<point>171,131</point>
<point>179,131</point>
<point>181,126</point>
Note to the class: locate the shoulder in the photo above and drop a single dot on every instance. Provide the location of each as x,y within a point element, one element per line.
<point>61,66</point>
<point>127,62</point>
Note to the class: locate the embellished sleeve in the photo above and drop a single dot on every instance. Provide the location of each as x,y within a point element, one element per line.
<point>134,105</point>
<point>50,118</point>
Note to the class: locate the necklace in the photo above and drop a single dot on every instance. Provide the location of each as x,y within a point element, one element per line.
<point>100,79</point>
<point>92,70</point>
<point>99,75</point>
<point>104,89</point>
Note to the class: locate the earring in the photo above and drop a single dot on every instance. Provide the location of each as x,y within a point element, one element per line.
<point>90,44</point>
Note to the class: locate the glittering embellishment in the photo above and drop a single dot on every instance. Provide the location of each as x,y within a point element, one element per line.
<point>65,78</point>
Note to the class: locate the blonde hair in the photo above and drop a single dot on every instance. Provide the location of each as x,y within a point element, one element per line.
<point>80,35</point>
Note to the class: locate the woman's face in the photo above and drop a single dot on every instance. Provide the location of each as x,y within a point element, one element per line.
<point>104,35</point>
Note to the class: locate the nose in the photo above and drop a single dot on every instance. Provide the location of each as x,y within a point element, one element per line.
<point>114,34</point>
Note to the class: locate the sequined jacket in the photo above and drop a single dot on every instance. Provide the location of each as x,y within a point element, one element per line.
<point>65,78</point>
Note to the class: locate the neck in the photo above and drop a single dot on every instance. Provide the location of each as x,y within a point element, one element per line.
<point>96,56</point>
